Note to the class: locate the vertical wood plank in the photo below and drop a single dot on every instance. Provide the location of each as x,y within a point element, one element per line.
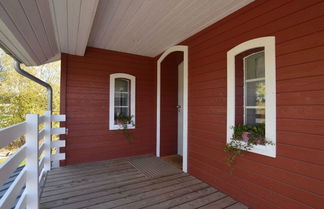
<point>48,140</point>
<point>32,167</point>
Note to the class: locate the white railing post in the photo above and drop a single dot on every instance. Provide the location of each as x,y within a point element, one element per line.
<point>32,167</point>
<point>48,140</point>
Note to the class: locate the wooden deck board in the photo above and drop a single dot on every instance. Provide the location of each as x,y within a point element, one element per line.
<point>137,182</point>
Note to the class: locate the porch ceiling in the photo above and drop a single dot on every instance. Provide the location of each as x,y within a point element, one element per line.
<point>36,31</point>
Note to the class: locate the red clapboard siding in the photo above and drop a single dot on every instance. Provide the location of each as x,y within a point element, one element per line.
<point>85,101</point>
<point>294,179</point>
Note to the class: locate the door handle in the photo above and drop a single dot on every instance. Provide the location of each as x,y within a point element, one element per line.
<point>179,108</point>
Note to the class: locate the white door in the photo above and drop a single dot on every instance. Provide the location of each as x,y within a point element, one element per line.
<point>180,108</point>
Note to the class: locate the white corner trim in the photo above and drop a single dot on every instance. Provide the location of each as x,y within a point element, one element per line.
<point>268,43</point>
<point>183,49</point>
<point>132,79</point>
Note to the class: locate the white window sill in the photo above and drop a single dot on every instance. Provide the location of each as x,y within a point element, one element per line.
<point>266,150</point>
<point>119,127</point>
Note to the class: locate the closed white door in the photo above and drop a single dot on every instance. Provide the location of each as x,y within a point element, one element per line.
<point>180,108</point>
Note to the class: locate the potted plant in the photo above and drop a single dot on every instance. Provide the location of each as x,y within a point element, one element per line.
<point>243,139</point>
<point>123,121</point>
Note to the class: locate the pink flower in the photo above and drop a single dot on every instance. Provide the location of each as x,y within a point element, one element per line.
<point>245,136</point>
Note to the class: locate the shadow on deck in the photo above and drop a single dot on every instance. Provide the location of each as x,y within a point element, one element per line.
<point>136,182</point>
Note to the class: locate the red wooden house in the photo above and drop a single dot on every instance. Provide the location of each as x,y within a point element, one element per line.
<point>186,72</point>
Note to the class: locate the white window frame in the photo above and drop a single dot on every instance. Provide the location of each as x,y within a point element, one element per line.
<point>113,77</point>
<point>268,43</point>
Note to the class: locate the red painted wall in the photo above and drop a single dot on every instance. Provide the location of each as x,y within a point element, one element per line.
<point>85,101</point>
<point>169,102</point>
<point>295,178</point>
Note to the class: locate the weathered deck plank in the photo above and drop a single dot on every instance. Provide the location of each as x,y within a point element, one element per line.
<point>137,182</point>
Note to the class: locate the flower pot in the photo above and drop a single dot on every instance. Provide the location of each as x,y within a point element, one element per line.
<point>245,136</point>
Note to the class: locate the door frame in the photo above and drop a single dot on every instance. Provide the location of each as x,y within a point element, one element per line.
<point>184,49</point>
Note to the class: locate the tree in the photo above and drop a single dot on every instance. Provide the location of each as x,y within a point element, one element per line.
<point>20,96</point>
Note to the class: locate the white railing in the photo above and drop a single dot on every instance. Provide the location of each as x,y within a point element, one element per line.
<point>38,159</point>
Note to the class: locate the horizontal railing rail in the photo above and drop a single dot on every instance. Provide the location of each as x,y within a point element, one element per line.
<point>24,191</point>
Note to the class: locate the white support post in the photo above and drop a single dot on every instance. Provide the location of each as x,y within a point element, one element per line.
<point>32,167</point>
<point>48,140</point>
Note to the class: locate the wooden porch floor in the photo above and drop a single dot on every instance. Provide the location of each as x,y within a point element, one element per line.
<point>137,182</point>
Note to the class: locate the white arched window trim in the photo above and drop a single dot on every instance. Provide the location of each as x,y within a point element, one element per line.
<point>268,43</point>
<point>113,77</point>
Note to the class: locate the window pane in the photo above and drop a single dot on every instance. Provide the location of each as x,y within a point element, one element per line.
<point>255,93</point>
<point>254,116</point>
<point>121,99</point>
<point>121,111</point>
<point>121,85</point>
<point>254,66</point>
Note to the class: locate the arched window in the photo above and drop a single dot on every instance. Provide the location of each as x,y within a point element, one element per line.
<point>122,100</point>
<point>251,90</point>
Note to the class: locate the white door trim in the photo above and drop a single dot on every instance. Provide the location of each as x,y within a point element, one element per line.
<point>183,49</point>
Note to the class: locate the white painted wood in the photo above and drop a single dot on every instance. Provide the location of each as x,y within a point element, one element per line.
<point>48,140</point>
<point>56,164</point>
<point>58,131</point>
<point>268,43</point>
<point>87,15</point>
<point>8,134</point>
<point>58,143</point>
<point>42,175</point>
<point>36,31</point>
<point>73,17</point>
<point>58,156</point>
<point>183,49</point>
<point>10,42</point>
<point>34,18</point>
<point>22,203</point>
<point>41,164</point>
<point>41,149</point>
<point>113,77</point>
<point>32,169</point>
<point>23,31</point>
<point>41,134</point>
<point>58,118</point>
<point>150,27</point>
<point>41,119</point>
<point>10,165</point>
<point>180,109</point>
<point>44,11</point>
<point>73,21</point>
<point>13,191</point>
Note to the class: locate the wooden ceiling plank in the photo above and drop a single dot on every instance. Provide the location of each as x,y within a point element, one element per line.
<point>73,24</point>
<point>129,35</point>
<point>8,28</point>
<point>152,26</point>
<point>117,20</point>
<point>31,10</point>
<point>59,9</point>
<point>120,27</point>
<point>177,15</point>
<point>9,41</point>
<point>45,14</point>
<point>112,7</point>
<point>157,11</point>
<point>88,11</point>
<point>17,14</point>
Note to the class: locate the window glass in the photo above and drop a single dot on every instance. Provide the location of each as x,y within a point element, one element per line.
<point>255,66</point>
<point>122,97</point>
<point>255,93</point>
<point>254,89</point>
<point>121,85</point>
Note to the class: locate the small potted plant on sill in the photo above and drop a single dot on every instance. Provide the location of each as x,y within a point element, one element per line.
<point>243,139</point>
<point>123,121</point>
